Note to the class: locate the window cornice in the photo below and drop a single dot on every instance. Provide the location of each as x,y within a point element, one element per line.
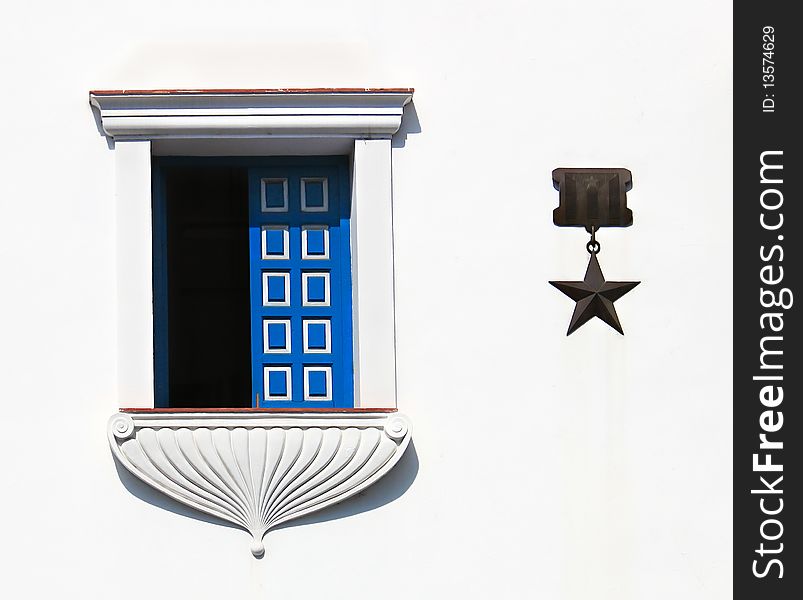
<point>258,113</point>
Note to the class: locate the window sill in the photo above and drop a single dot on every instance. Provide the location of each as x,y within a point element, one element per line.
<point>258,468</point>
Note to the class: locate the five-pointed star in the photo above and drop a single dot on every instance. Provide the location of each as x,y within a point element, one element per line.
<point>594,297</point>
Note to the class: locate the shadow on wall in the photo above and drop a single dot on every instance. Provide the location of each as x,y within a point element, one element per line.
<point>410,124</point>
<point>395,483</point>
<point>99,126</point>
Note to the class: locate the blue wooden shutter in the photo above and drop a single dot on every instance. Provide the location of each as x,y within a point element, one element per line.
<point>301,309</point>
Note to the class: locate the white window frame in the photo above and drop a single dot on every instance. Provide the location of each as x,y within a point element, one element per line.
<point>257,122</point>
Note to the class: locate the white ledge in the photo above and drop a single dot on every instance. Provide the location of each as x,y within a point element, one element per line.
<point>259,470</point>
<point>172,114</point>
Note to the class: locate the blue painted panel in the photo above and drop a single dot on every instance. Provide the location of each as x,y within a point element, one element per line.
<point>317,383</point>
<point>274,194</point>
<point>276,288</point>
<point>338,312</point>
<point>161,370</point>
<point>316,246</point>
<point>316,288</point>
<point>277,383</point>
<point>313,194</point>
<point>274,242</point>
<point>316,336</point>
<point>277,336</point>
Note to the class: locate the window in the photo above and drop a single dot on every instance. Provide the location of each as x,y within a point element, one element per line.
<point>149,131</point>
<point>252,283</point>
<point>236,278</point>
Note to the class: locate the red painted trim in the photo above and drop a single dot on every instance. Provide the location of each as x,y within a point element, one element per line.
<point>253,91</point>
<point>256,410</point>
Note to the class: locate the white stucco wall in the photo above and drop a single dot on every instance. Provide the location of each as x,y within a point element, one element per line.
<point>544,467</point>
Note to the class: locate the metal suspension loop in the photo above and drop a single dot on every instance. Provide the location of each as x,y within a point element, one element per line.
<point>593,246</point>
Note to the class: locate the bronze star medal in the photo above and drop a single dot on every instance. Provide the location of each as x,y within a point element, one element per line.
<point>594,296</point>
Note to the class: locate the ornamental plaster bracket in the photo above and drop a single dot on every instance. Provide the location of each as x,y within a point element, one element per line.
<point>258,470</point>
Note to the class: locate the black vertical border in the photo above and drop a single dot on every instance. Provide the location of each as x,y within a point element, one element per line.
<point>756,131</point>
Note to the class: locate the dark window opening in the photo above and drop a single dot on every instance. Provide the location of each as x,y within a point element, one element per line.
<point>208,333</point>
